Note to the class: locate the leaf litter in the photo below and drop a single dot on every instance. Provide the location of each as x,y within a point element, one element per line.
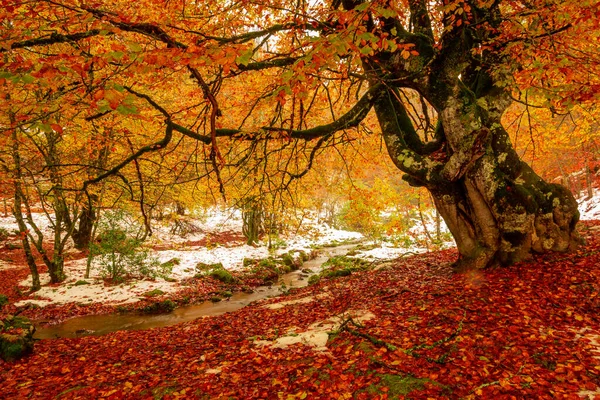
<point>527,331</point>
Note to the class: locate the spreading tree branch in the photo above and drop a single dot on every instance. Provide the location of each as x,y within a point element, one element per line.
<point>54,38</point>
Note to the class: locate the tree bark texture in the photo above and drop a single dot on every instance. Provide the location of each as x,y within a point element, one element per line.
<point>498,210</point>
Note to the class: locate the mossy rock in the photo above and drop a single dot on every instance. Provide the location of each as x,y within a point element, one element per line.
<point>15,344</point>
<point>335,273</point>
<point>288,259</point>
<point>249,261</point>
<point>304,256</point>
<point>18,322</point>
<point>13,347</point>
<point>81,283</point>
<point>215,299</point>
<point>270,263</point>
<point>226,293</point>
<point>342,266</point>
<point>222,275</point>
<point>153,293</point>
<point>344,261</point>
<point>160,307</point>
<point>203,267</point>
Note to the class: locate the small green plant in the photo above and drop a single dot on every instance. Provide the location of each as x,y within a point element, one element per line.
<point>277,243</point>
<point>314,279</point>
<point>120,255</point>
<point>171,263</point>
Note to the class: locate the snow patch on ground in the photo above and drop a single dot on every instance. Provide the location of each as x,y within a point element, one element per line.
<point>589,208</point>
<point>301,300</point>
<point>386,252</point>
<point>94,291</point>
<point>317,334</point>
<point>213,222</point>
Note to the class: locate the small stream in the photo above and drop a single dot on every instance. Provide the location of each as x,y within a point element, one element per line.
<point>97,325</point>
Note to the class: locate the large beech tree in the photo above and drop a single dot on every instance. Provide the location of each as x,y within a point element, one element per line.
<point>273,82</point>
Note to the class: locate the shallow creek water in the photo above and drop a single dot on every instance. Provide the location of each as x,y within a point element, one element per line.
<point>103,324</point>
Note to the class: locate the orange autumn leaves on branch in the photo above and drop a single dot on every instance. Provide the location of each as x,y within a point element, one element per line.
<point>260,89</point>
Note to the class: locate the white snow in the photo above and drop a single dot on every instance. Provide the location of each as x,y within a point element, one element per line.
<point>312,234</point>
<point>384,252</point>
<point>589,208</point>
<point>317,334</point>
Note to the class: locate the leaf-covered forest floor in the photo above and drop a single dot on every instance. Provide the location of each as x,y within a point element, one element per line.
<point>411,329</point>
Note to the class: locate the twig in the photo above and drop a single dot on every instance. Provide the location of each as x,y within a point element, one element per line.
<point>411,351</point>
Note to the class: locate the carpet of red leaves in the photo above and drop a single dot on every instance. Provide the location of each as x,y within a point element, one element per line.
<point>509,333</point>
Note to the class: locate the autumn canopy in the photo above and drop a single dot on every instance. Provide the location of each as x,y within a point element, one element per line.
<point>229,90</point>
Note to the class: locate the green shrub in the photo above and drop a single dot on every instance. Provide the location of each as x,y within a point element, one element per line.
<point>120,255</point>
<point>4,234</point>
<point>160,307</point>
<point>3,300</point>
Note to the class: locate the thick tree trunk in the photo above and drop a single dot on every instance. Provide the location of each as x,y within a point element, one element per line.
<point>498,210</point>
<point>83,235</point>
<point>252,221</point>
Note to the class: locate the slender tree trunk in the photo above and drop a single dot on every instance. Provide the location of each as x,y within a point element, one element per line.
<point>35,276</point>
<point>588,183</point>
<point>18,213</point>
